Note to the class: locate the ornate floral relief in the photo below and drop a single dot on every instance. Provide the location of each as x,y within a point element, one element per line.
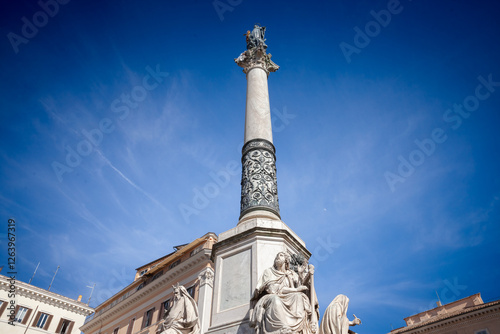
<point>259,189</point>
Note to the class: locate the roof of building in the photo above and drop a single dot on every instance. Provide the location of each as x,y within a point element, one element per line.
<point>23,288</point>
<point>444,316</point>
<point>163,262</point>
<point>177,248</point>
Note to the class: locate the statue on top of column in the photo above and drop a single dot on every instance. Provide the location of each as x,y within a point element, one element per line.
<point>255,54</point>
<point>255,38</point>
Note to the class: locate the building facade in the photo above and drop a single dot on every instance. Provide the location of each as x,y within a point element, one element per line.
<point>469,315</point>
<point>139,308</point>
<point>36,310</point>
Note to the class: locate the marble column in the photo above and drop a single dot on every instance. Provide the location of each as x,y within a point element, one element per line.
<point>243,253</point>
<point>259,190</point>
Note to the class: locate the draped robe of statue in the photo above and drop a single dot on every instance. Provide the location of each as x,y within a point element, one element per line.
<point>335,319</point>
<point>276,311</point>
<point>183,317</point>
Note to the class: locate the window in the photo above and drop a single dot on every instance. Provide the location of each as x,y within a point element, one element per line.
<point>65,326</point>
<point>21,314</point>
<point>157,275</point>
<point>482,331</point>
<point>140,286</point>
<point>42,320</point>
<point>3,305</point>
<point>143,272</point>
<point>190,290</point>
<point>165,307</point>
<point>148,318</point>
<point>174,264</point>
<point>115,331</point>
<point>131,326</point>
<point>196,251</point>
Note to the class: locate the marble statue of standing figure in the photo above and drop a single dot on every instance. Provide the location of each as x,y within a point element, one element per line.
<point>335,319</point>
<point>280,303</point>
<point>182,318</point>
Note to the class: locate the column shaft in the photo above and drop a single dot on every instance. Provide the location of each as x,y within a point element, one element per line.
<point>258,112</point>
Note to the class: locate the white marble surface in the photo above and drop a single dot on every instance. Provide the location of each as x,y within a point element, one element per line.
<point>236,280</point>
<point>259,222</point>
<point>258,112</point>
<point>249,248</point>
<point>206,278</point>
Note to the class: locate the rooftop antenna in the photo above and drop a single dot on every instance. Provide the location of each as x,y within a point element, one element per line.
<point>91,291</point>
<point>53,278</point>
<point>34,273</point>
<point>439,300</point>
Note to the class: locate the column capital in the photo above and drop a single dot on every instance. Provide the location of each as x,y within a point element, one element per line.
<point>256,57</point>
<point>206,277</point>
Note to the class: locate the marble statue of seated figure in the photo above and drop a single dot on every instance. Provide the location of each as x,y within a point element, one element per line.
<point>182,318</point>
<point>280,302</point>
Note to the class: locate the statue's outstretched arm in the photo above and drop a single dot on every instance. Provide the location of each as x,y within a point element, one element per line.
<point>355,322</point>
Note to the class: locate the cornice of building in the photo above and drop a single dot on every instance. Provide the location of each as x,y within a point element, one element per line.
<point>446,306</point>
<point>453,319</point>
<point>45,296</point>
<point>164,263</point>
<point>166,279</point>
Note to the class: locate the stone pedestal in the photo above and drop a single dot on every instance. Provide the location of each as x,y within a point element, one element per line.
<point>241,255</point>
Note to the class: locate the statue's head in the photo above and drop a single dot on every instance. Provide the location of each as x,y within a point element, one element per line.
<point>280,259</point>
<point>343,303</point>
<point>177,291</point>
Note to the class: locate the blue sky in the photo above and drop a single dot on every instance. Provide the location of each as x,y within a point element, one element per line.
<point>393,188</point>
